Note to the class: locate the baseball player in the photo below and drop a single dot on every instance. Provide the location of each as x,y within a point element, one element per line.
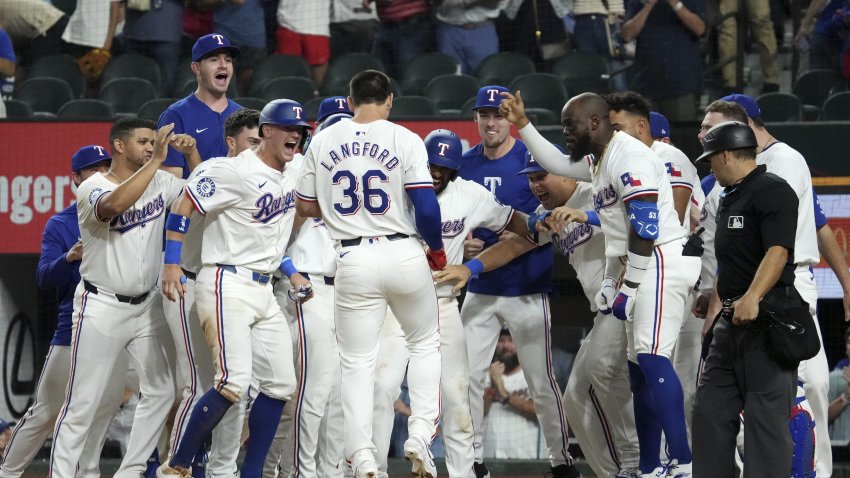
<point>121,214</point>
<point>362,177</point>
<point>202,113</point>
<point>597,398</point>
<point>464,206</point>
<point>195,372</point>
<point>241,320</point>
<point>659,127</point>
<point>59,268</point>
<point>333,105</point>
<point>633,199</point>
<point>517,294</point>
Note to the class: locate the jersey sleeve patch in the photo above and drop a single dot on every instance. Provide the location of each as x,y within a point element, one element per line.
<point>633,186</point>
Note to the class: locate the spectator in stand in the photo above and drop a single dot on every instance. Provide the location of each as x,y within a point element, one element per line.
<point>520,23</point>
<point>91,27</point>
<point>34,25</point>
<point>155,33</point>
<point>304,30</point>
<point>404,33</point>
<point>510,424</point>
<point>598,22</point>
<point>761,30</point>
<point>839,397</point>
<point>667,59</point>
<point>825,48</point>
<point>242,22</point>
<point>353,27</point>
<point>466,31</point>
<point>7,66</point>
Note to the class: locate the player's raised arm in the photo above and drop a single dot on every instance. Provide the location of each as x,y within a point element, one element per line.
<point>176,227</point>
<point>187,145</point>
<point>491,258</point>
<point>130,190</point>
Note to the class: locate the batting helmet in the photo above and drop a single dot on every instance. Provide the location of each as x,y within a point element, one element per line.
<point>444,149</point>
<point>332,120</point>
<point>727,136</point>
<point>286,113</point>
<point>333,105</point>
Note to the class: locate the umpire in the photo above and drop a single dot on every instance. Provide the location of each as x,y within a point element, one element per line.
<point>756,224</point>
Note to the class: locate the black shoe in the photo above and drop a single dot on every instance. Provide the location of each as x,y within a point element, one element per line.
<point>770,88</point>
<point>565,471</point>
<point>480,470</point>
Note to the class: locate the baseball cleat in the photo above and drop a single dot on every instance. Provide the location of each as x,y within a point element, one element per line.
<point>480,470</point>
<point>564,471</point>
<point>675,470</point>
<point>417,452</point>
<point>658,472</point>
<point>165,471</point>
<point>364,465</point>
<point>631,472</point>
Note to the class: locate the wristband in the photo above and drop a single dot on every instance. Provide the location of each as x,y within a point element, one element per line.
<point>287,267</point>
<point>593,218</point>
<point>636,268</point>
<point>172,251</point>
<point>475,266</point>
<point>177,223</point>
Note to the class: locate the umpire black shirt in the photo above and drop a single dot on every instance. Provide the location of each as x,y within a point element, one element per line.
<point>755,214</point>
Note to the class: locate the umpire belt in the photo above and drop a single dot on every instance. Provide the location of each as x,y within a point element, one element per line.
<point>127,299</point>
<point>262,278</point>
<point>358,240</point>
<point>328,280</point>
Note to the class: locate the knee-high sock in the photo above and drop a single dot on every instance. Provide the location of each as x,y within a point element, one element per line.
<point>666,391</point>
<point>205,416</point>
<point>646,422</point>
<point>262,425</point>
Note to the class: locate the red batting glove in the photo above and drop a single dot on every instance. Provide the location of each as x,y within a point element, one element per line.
<point>436,259</point>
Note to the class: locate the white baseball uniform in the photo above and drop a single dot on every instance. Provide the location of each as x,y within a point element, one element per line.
<point>112,313</point>
<point>464,206</point>
<point>785,162</point>
<point>358,174</point>
<point>195,371</point>
<point>597,400</point>
<point>249,210</point>
<point>627,171</point>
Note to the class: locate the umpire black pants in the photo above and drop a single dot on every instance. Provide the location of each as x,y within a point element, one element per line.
<point>739,375</point>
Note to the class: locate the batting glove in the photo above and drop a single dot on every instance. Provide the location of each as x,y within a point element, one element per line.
<point>624,303</point>
<point>606,295</point>
<point>533,219</point>
<point>436,259</point>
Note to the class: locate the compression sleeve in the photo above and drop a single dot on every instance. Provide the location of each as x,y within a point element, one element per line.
<point>427,216</point>
<point>551,158</point>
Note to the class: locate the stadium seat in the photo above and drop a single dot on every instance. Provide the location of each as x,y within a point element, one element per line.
<point>153,109</point>
<point>344,67</point>
<point>813,88</point>
<point>780,107</point>
<point>44,95</point>
<point>295,88</point>
<point>394,86</point>
<point>424,68</point>
<point>63,67</point>
<point>127,95</point>
<point>541,90</point>
<point>583,71</point>
<point>16,109</point>
<point>413,107</point>
<point>251,102</point>
<point>466,110</point>
<point>276,66</point>
<point>501,68</point>
<point>312,107</point>
<point>131,65</point>
<point>542,116</point>
<point>837,107</point>
<point>86,110</point>
<point>451,92</point>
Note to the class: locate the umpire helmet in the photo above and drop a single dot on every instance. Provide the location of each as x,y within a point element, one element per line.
<point>727,136</point>
<point>286,113</point>
<point>444,149</point>
<point>332,120</point>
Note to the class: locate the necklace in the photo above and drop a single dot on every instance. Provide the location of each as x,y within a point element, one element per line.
<point>598,161</point>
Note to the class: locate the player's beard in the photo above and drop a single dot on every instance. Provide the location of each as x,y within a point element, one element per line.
<point>581,148</point>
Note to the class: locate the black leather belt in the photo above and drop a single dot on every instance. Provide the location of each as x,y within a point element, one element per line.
<point>134,300</point>
<point>357,240</point>
<point>189,274</point>
<point>328,280</point>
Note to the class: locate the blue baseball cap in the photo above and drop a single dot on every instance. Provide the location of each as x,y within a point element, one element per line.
<point>489,96</point>
<point>333,105</point>
<point>210,43</point>
<point>745,101</point>
<point>89,155</point>
<point>659,127</point>
<point>531,165</point>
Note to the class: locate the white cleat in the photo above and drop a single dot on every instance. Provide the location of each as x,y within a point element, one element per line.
<point>165,471</point>
<point>630,472</point>
<point>416,450</point>
<point>675,470</point>
<point>658,472</point>
<point>363,464</point>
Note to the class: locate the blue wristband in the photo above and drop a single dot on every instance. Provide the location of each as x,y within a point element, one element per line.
<point>172,251</point>
<point>475,266</point>
<point>177,223</point>
<point>287,267</point>
<point>593,218</point>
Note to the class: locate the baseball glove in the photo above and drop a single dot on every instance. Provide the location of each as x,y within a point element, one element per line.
<point>93,63</point>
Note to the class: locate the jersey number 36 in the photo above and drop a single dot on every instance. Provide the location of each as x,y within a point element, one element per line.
<point>373,198</point>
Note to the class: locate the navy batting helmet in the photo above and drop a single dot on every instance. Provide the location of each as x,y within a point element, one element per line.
<point>727,136</point>
<point>286,113</point>
<point>444,148</point>
<point>332,120</point>
<point>333,105</point>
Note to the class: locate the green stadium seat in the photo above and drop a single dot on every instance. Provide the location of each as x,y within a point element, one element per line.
<point>501,68</point>
<point>344,67</point>
<point>16,109</point>
<point>251,102</point>
<point>541,90</point>
<point>583,71</point>
<point>780,107</point>
<point>63,67</point>
<point>131,65</point>
<point>276,66</point>
<point>451,92</point>
<point>127,95</point>
<point>153,109</point>
<point>86,110</point>
<point>44,95</point>
<point>837,107</point>
<point>295,88</point>
<point>814,87</point>
<point>424,68</point>
<point>413,107</point>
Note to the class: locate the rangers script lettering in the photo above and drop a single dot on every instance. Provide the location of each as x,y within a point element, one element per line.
<point>453,228</point>
<point>138,217</point>
<point>270,206</point>
<point>605,198</point>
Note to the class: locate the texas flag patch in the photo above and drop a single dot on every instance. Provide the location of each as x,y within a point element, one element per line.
<point>629,179</point>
